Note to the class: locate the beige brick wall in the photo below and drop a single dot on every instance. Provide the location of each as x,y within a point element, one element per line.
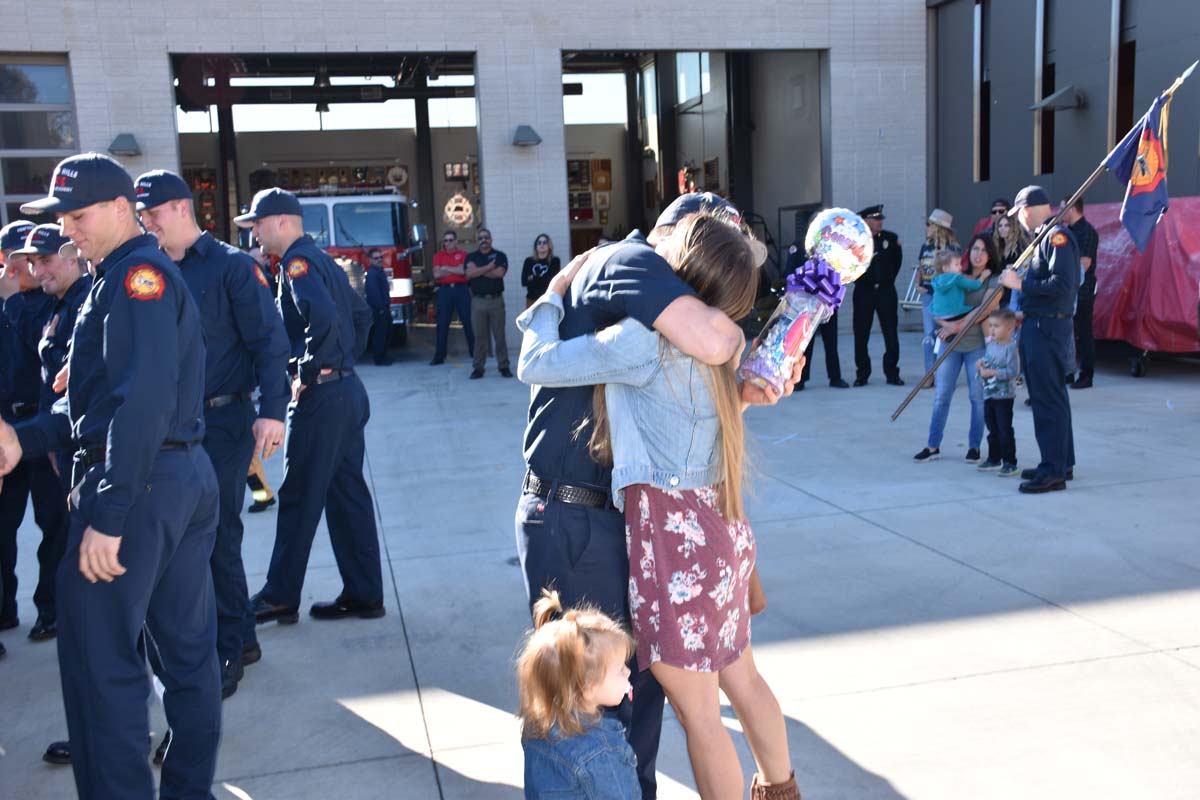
<point>120,66</point>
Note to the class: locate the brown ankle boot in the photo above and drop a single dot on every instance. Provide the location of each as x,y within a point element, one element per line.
<point>761,790</point>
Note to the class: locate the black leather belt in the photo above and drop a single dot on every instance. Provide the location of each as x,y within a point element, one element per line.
<point>575,495</point>
<point>23,410</point>
<point>335,375</point>
<point>87,456</point>
<point>1052,316</point>
<point>226,399</point>
<point>485,296</point>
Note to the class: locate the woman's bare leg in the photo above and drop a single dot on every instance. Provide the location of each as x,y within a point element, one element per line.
<point>760,715</point>
<point>697,704</point>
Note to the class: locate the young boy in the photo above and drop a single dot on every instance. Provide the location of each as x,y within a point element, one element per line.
<point>999,369</point>
<point>950,287</point>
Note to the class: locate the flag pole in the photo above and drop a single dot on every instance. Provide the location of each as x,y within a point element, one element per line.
<point>1021,262</point>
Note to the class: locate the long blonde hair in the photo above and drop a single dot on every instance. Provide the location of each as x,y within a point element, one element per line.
<point>1009,246</point>
<point>562,658</point>
<point>713,257</point>
<point>941,238</point>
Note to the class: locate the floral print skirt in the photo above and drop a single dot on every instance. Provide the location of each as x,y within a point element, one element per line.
<point>689,578</point>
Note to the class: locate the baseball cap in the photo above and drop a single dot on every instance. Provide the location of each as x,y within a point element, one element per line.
<point>81,181</point>
<point>872,212</point>
<point>1030,196</point>
<point>159,186</point>
<point>709,203</point>
<point>268,203</point>
<point>44,240</point>
<point>13,235</point>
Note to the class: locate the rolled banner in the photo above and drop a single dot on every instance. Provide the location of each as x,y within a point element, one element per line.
<point>814,292</point>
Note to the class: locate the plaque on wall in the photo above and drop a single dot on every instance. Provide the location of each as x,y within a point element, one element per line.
<point>579,174</point>
<point>712,175</point>
<point>602,199</point>
<point>602,174</point>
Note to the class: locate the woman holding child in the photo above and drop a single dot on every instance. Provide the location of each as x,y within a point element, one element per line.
<point>984,267</point>
<point>671,428</point>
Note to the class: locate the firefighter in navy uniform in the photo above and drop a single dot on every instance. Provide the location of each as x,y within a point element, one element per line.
<point>247,348</point>
<point>144,507</point>
<point>1048,292</point>
<point>27,309</point>
<point>875,295</point>
<point>828,331</point>
<point>328,324</point>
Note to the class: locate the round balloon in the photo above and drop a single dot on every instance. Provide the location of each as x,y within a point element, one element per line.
<point>841,239</point>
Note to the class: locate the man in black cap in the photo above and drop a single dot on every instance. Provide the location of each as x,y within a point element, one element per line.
<point>144,506</point>
<point>328,324</point>
<point>874,295</point>
<point>27,309</point>
<point>1048,292</point>
<point>564,506</point>
<point>246,349</point>
<point>1085,336</point>
<point>828,331</point>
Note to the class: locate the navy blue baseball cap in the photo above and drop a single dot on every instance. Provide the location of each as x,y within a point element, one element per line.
<point>1029,196</point>
<point>268,203</point>
<point>81,181</point>
<point>709,203</point>
<point>13,235</point>
<point>158,186</point>
<point>44,240</point>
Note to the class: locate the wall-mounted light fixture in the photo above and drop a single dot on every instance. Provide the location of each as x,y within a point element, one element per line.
<point>125,145</point>
<point>526,137</point>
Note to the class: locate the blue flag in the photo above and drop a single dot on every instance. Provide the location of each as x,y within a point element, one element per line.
<point>1140,162</point>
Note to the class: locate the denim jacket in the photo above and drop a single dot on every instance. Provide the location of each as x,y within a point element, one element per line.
<point>596,765</point>
<point>661,414</point>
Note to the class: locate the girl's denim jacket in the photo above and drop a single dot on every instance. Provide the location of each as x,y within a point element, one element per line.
<point>596,765</point>
<point>661,415</point>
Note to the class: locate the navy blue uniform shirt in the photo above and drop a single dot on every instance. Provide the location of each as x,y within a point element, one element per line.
<point>27,313</point>
<point>379,296</point>
<point>243,332</point>
<point>53,349</point>
<point>1052,281</point>
<point>326,320</point>
<point>136,377</point>
<point>624,279</point>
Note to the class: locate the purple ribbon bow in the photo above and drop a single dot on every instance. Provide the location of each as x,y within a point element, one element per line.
<point>820,279</point>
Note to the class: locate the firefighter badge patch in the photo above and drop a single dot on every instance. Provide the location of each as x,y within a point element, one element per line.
<point>144,283</point>
<point>297,268</point>
<point>258,273</point>
<point>1058,239</point>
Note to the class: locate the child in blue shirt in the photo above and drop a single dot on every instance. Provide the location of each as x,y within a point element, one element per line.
<point>950,287</point>
<point>572,667</point>
<point>999,369</point>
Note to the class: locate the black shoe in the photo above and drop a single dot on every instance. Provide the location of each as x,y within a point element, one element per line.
<point>265,611</point>
<point>161,752</point>
<point>1032,474</point>
<point>343,607</point>
<point>1084,382</point>
<point>799,387</point>
<point>476,374</point>
<point>1041,485</point>
<point>896,381</point>
<point>839,384</point>
<point>860,381</point>
<point>506,372</point>
<point>437,361</point>
<point>231,673</point>
<point>43,630</point>
<point>1028,401</point>
<point>261,505</point>
<point>927,454</point>
<point>3,652</point>
<point>1070,379</point>
<point>387,362</point>
<point>251,654</point>
<point>973,456</point>
<point>9,624</point>
<point>57,753</point>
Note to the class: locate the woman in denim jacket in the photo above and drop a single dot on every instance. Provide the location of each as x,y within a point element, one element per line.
<point>570,669</point>
<point>671,428</point>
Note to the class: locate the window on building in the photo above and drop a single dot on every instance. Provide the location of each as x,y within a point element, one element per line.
<point>1126,59</point>
<point>692,77</point>
<point>1044,127</point>
<point>37,128</point>
<point>983,95</point>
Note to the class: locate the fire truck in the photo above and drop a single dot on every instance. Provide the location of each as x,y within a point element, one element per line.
<point>348,225</point>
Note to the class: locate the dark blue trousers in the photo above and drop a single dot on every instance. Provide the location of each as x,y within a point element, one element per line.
<point>323,471</point>
<point>381,334</point>
<point>1046,354</point>
<point>229,442</point>
<point>453,298</point>
<point>165,548</point>
<point>32,478</point>
<point>580,552</point>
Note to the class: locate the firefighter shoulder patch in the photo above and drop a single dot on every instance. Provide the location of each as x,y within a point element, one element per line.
<point>258,274</point>
<point>1058,239</point>
<point>297,268</point>
<point>144,283</point>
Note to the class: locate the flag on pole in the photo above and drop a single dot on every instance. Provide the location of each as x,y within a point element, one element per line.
<point>1140,162</point>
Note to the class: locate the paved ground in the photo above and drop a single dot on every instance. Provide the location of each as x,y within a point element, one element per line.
<point>931,633</point>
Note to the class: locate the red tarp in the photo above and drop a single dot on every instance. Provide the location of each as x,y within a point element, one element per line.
<point>1148,299</point>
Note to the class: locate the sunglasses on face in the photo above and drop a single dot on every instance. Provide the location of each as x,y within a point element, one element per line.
<point>996,212</point>
<point>449,241</point>
<point>542,241</point>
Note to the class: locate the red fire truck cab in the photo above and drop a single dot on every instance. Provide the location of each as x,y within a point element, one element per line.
<point>348,226</point>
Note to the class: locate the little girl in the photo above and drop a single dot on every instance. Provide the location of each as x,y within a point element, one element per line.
<point>950,287</point>
<point>572,667</point>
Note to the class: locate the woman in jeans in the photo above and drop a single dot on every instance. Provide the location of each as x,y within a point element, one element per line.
<point>671,428</point>
<point>985,266</point>
<point>938,237</point>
